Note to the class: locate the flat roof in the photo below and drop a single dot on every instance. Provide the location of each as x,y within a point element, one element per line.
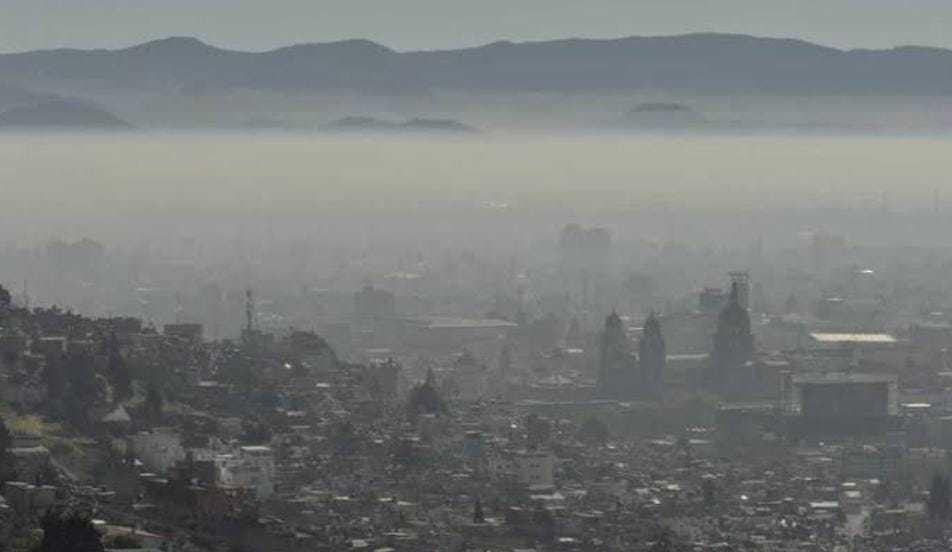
<point>831,378</point>
<point>435,322</point>
<point>931,325</point>
<point>689,356</point>
<point>881,338</point>
<point>256,448</point>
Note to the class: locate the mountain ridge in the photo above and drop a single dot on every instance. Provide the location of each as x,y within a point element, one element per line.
<point>198,42</point>
<point>704,62</point>
<point>186,82</point>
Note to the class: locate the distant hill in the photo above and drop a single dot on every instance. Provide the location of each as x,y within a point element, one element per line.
<point>373,124</point>
<point>699,63</point>
<point>437,125</point>
<point>61,114</point>
<point>655,115</point>
<point>356,123</point>
<point>12,95</point>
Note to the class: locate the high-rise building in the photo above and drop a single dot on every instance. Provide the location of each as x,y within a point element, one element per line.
<point>741,279</point>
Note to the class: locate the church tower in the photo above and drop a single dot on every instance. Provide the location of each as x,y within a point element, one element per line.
<point>652,356</point>
<point>733,345</point>
<point>616,365</point>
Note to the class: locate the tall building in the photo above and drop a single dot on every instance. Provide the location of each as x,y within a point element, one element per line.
<point>375,321</point>
<point>471,377</point>
<point>714,299</point>
<point>585,263</point>
<point>585,248</point>
<point>733,345</point>
<point>837,403</point>
<point>741,279</point>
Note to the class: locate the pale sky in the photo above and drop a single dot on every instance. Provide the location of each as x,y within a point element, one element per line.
<point>427,24</point>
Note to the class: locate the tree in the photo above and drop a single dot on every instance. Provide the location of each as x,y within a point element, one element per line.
<point>6,299</point>
<point>505,361</point>
<point>574,336</point>
<point>544,523</point>
<point>478,516</point>
<point>154,403</point>
<point>709,491</point>
<point>118,370</point>
<point>382,379</point>
<point>70,532</point>
<point>124,542</point>
<point>792,304</point>
<point>7,464</point>
<point>84,390</point>
<point>47,475</point>
<point>663,544</point>
<point>345,439</point>
<point>237,366</point>
<point>544,333</point>
<point>256,432</point>
<point>594,431</point>
<point>639,283</point>
<point>538,432</point>
<point>81,374</point>
<point>404,453</point>
<point>425,399</point>
<point>939,504</point>
<point>311,346</point>
<point>54,377</point>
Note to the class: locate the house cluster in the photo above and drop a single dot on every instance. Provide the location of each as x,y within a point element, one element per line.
<point>714,426</point>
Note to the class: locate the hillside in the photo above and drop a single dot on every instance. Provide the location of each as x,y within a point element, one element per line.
<point>12,95</point>
<point>60,114</point>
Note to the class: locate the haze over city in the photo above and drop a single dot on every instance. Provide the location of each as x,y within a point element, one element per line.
<point>595,277</point>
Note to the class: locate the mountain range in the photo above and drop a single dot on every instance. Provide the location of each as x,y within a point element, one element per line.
<point>694,64</point>
<point>697,62</point>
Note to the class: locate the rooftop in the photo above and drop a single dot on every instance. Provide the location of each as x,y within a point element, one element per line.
<point>440,322</point>
<point>830,378</point>
<point>871,338</point>
<point>256,449</point>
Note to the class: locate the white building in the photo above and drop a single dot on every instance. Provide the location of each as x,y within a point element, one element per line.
<point>859,348</point>
<point>250,468</point>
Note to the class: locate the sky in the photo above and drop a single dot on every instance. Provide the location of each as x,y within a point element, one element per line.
<point>433,24</point>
